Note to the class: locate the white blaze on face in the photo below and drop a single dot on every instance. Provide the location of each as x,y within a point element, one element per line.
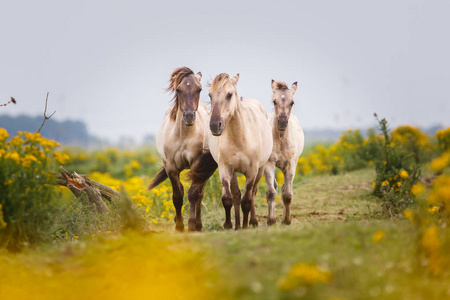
<point>282,96</point>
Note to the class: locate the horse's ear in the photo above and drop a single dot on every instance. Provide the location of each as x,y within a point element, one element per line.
<point>273,85</point>
<point>293,88</point>
<point>235,79</point>
<point>199,76</point>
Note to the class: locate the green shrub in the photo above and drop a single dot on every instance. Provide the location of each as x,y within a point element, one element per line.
<point>396,173</point>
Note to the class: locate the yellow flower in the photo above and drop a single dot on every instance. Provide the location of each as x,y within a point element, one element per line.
<point>433,209</point>
<point>61,158</point>
<point>430,239</point>
<point>76,236</point>
<point>8,182</point>
<point>403,174</point>
<point>378,236</point>
<point>417,189</point>
<point>385,183</point>
<point>3,135</point>
<point>304,274</point>
<point>14,156</point>
<point>439,163</point>
<point>374,185</point>
<point>408,214</point>
<point>16,141</point>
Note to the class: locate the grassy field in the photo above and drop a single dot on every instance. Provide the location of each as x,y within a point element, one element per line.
<point>336,232</point>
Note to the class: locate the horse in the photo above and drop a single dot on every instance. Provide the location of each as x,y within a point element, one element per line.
<point>182,143</point>
<point>288,143</point>
<point>240,141</point>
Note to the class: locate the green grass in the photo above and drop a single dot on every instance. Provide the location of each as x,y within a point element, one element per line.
<point>334,220</point>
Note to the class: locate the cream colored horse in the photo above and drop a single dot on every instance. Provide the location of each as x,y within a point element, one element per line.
<point>241,141</point>
<point>182,143</point>
<point>288,142</point>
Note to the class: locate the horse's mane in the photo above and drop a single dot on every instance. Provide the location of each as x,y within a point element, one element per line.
<point>175,79</point>
<point>219,81</point>
<point>280,85</point>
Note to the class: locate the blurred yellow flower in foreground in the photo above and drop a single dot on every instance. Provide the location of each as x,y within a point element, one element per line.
<point>408,214</point>
<point>304,274</point>
<point>417,189</point>
<point>378,236</point>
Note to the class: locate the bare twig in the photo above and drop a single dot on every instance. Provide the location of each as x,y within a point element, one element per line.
<point>13,101</point>
<point>45,114</point>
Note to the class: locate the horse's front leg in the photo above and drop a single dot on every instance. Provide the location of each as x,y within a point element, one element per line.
<point>247,203</point>
<point>271,192</point>
<point>287,193</point>
<point>253,220</point>
<point>236,201</point>
<point>227,199</point>
<point>177,196</point>
<point>195,196</point>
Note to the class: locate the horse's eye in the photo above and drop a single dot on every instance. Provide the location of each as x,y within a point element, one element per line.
<point>229,96</point>
<point>199,90</point>
<point>292,103</point>
<point>209,95</point>
<point>274,102</point>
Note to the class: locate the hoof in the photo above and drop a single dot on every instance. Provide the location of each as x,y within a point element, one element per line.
<point>271,221</point>
<point>227,225</point>
<point>254,223</point>
<point>191,225</point>
<point>198,227</point>
<point>179,227</point>
<point>286,222</point>
<point>237,226</point>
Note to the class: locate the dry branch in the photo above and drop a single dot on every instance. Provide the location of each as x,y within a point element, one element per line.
<point>45,114</point>
<point>13,101</point>
<point>81,184</point>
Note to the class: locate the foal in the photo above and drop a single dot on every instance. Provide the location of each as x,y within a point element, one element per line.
<point>182,143</point>
<point>241,142</point>
<point>288,142</point>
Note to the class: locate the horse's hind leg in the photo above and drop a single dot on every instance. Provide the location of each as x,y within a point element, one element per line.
<point>236,192</point>
<point>253,220</point>
<point>178,193</point>
<point>227,199</point>
<point>271,192</point>
<point>287,192</point>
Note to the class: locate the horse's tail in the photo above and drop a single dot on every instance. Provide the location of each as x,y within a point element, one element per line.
<point>202,169</point>
<point>159,178</point>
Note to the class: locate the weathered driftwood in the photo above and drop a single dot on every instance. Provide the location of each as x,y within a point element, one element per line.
<point>81,184</point>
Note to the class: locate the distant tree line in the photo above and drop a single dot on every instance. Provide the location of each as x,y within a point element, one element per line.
<point>65,132</point>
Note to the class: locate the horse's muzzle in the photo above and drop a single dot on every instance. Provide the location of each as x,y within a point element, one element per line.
<point>217,126</point>
<point>282,123</point>
<point>189,118</point>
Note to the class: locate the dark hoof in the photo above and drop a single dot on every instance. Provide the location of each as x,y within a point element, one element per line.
<point>191,225</point>
<point>227,225</point>
<point>254,223</point>
<point>270,222</point>
<point>179,227</point>
<point>198,227</point>
<point>286,222</point>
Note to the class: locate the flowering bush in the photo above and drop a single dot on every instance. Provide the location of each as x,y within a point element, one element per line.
<point>27,163</point>
<point>412,141</point>
<point>443,137</point>
<point>396,174</point>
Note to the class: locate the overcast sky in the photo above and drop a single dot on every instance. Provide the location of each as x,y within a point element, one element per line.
<point>107,63</point>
